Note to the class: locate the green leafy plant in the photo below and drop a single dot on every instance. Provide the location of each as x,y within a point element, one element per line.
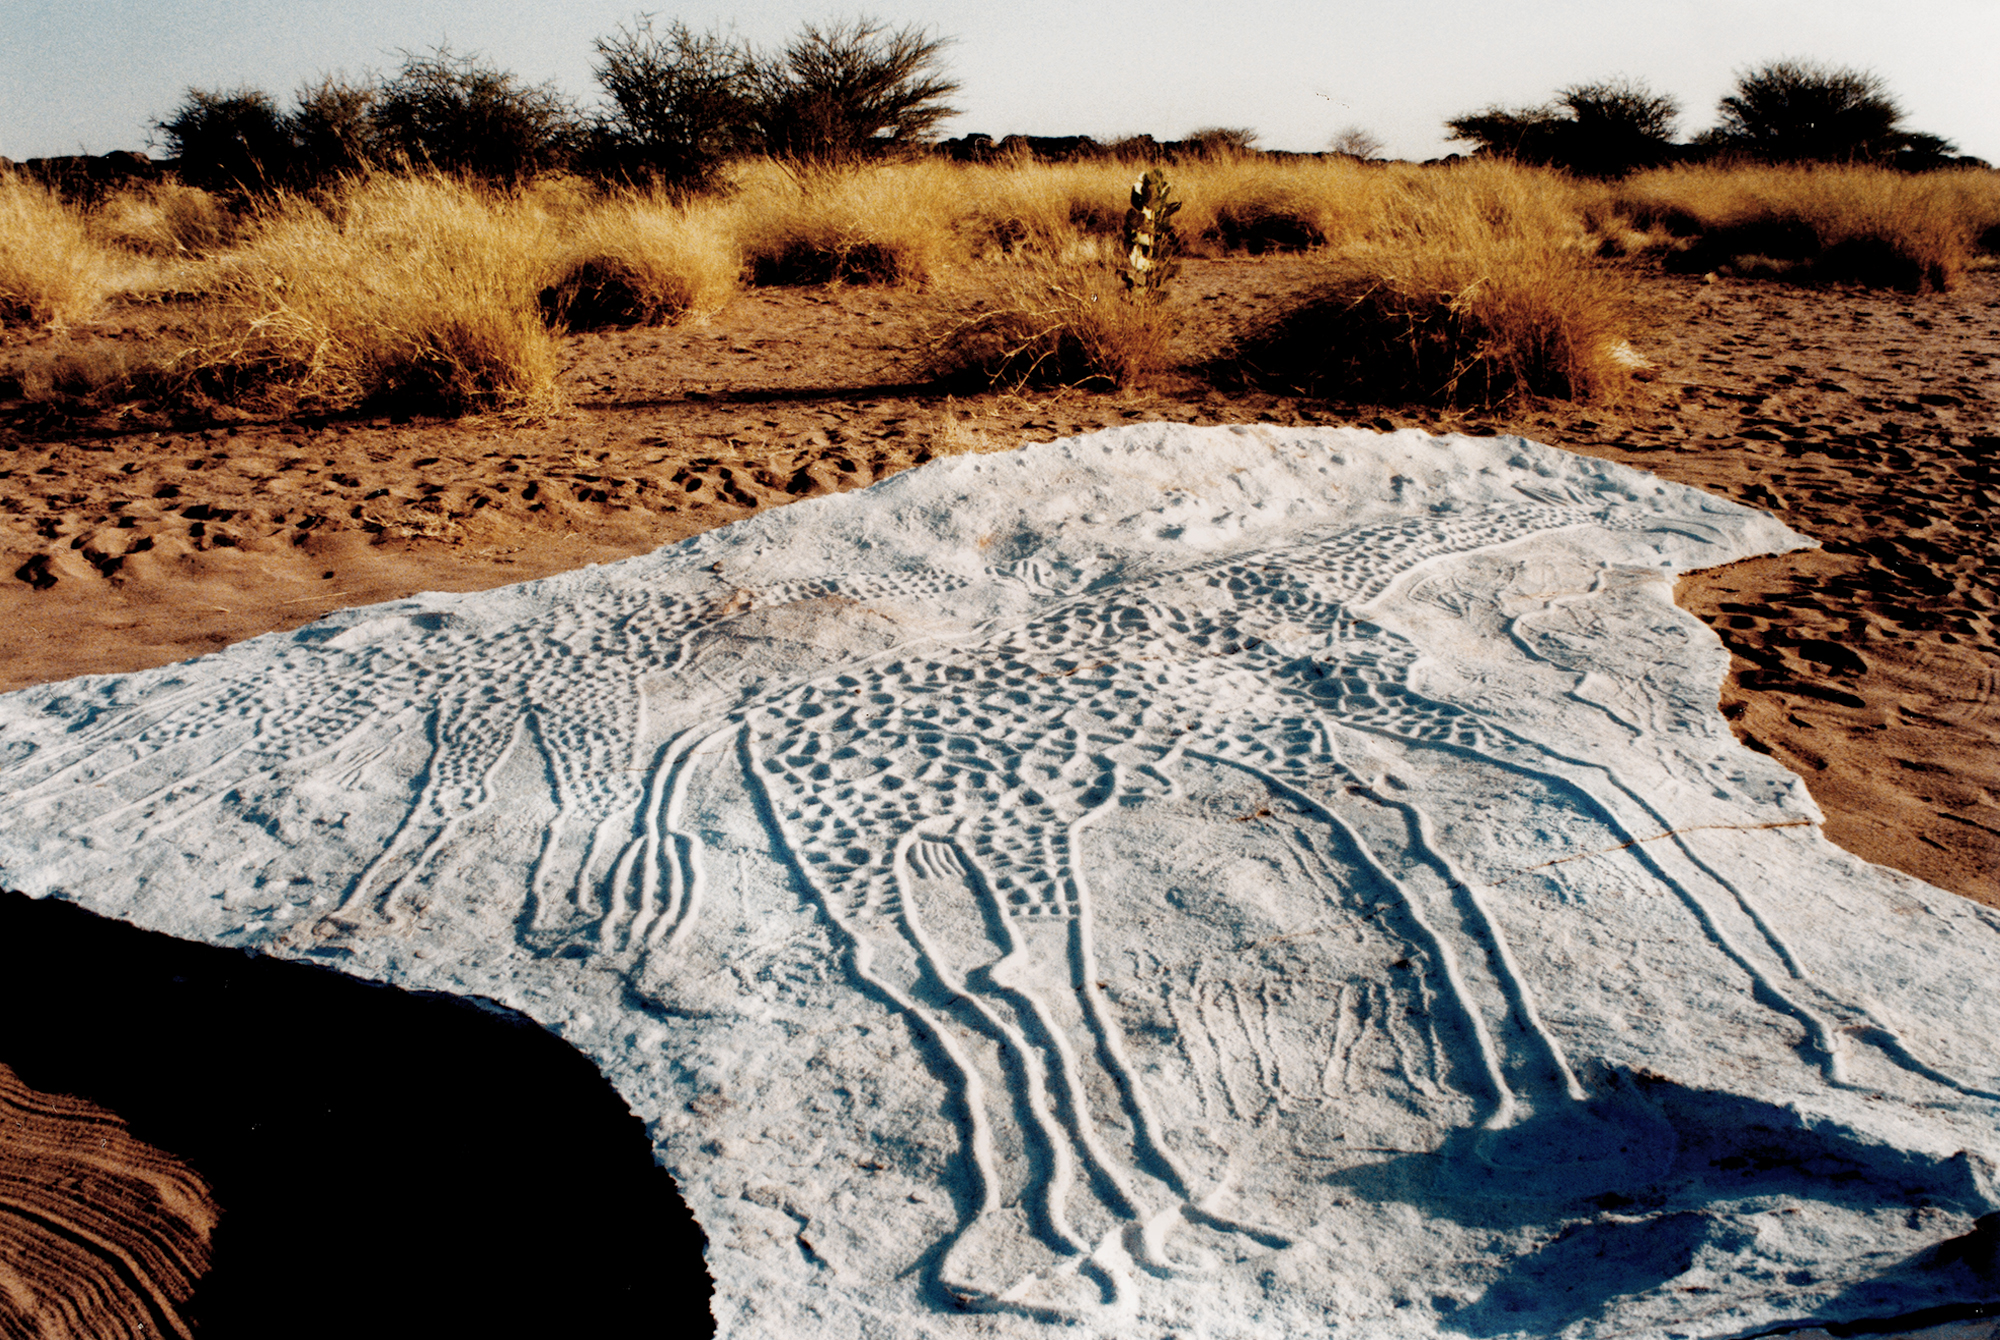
<point>1151,243</point>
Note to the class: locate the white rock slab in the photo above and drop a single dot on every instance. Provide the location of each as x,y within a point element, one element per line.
<point>1236,882</point>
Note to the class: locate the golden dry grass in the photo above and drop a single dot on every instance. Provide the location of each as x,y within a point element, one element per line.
<point>893,223</point>
<point>166,219</point>
<point>411,288</point>
<point>1469,282</point>
<point>52,270</point>
<point>643,260</point>
<point>1058,322</point>
<point>1868,225</point>
<point>1472,284</point>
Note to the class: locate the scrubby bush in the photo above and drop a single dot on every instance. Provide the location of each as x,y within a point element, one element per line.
<point>680,104</point>
<point>233,141</point>
<point>456,114</point>
<point>1793,111</point>
<point>1604,129</point>
<point>1213,142</point>
<point>848,91</point>
<point>1357,142</point>
<point>333,130</point>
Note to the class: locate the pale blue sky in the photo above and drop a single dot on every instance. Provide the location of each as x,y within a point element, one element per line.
<point>89,75</point>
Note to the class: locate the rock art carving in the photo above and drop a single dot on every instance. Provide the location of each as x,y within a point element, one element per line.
<point>1501,919</point>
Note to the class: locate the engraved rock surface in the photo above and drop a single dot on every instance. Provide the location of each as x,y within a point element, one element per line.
<point>1238,881</point>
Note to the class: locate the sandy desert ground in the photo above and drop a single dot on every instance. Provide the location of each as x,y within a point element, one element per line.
<point>1865,419</point>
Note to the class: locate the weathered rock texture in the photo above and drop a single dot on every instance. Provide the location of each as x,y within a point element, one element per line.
<point>1225,880</point>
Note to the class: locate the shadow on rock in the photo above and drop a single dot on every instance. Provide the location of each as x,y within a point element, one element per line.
<point>1904,1297</point>
<point>1649,1179</point>
<point>387,1164</point>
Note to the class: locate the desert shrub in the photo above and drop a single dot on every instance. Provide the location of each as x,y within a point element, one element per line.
<point>861,225</point>
<point>1793,111</point>
<point>52,270</point>
<point>334,132</point>
<point>1219,142</point>
<point>1357,142</point>
<point>1605,129</point>
<point>233,141</point>
<point>680,103</point>
<point>1473,287</point>
<point>412,290</point>
<point>641,261</point>
<point>457,114</point>
<point>1867,225</point>
<point>848,91</point>
<point>1057,323</point>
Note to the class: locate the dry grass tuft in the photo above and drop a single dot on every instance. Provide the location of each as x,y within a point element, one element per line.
<point>1470,283</point>
<point>892,224</point>
<point>1859,224</point>
<point>643,261</point>
<point>52,271</point>
<point>1037,208</point>
<point>1476,285</point>
<point>414,290</point>
<point>1258,206</point>
<point>166,220</point>
<point>1058,323</point>
<point>947,433</point>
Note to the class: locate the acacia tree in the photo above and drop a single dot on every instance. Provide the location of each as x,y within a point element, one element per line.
<point>1357,142</point>
<point>333,130</point>
<point>854,89</point>
<point>227,141</point>
<point>1525,133</point>
<point>456,114</point>
<point>680,102</point>
<point>1802,111</point>
<point>1220,142</point>
<point>1603,129</point>
<point>1616,126</point>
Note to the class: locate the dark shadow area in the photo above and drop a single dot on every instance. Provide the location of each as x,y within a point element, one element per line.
<point>1645,1144</point>
<point>1647,1172</point>
<point>387,1163</point>
<point>1965,1267</point>
<point>1587,1265</point>
<point>807,264</point>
